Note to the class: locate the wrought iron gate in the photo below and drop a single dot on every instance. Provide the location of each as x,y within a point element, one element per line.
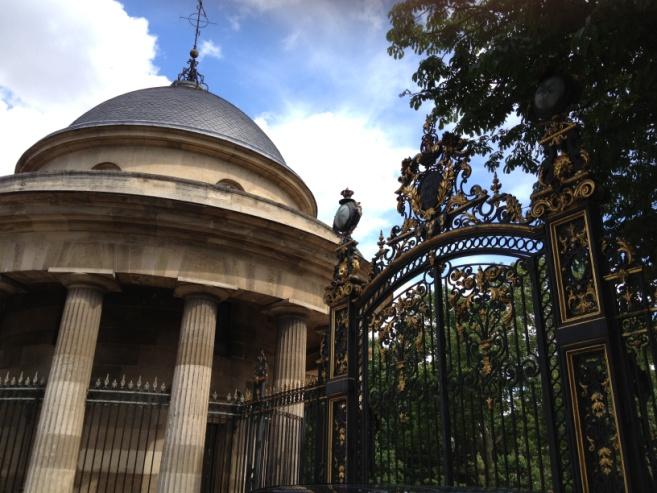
<point>483,348</point>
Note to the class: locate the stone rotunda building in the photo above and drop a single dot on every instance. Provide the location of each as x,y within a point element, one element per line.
<point>148,253</point>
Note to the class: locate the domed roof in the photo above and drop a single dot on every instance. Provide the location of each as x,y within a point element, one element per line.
<point>182,107</point>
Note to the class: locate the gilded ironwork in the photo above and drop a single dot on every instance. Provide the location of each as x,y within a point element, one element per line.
<point>324,355</point>
<point>564,177</point>
<point>576,279</point>
<point>482,299</point>
<point>469,352</point>
<point>399,329</point>
<point>433,198</point>
<point>338,441</point>
<point>340,342</point>
<point>454,355</point>
<point>347,277</point>
<point>597,428</point>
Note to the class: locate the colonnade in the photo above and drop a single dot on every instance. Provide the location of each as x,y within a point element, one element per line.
<point>56,446</point>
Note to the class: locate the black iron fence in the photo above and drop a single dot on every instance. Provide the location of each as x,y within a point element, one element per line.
<point>122,436</point>
<point>250,444</point>
<point>20,402</point>
<point>262,443</point>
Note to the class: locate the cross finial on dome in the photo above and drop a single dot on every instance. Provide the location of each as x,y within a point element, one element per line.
<point>190,76</point>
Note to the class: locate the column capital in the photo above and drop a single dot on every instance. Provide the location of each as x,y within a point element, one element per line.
<point>286,308</point>
<point>104,282</point>
<point>191,289</point>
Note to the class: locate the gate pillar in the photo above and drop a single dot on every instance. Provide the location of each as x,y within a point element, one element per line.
<point>344,459</point>
<point>601,425</point>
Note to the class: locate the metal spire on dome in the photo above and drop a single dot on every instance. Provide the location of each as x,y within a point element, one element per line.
<point>190,76</point>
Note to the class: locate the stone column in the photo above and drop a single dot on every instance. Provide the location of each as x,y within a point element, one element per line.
<point>184,440</point>
<point>289,373</point>
<point>57,442</point>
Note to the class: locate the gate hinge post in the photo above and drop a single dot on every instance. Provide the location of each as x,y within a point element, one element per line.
<point>343,384</point>
<point>600,418</point>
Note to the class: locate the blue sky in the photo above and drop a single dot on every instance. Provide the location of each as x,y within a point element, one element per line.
<point>314,74</point>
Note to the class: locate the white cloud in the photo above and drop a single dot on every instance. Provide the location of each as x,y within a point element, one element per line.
<point>266,5</point>
<point>234,22</point>
<point>335,150</point>
<point>291,40</point>
<point>74,55</point>
<point>210,49</point>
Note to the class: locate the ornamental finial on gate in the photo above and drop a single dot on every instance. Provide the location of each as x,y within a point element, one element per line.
<point>347,216</point>
<point>433,198</point>
<point>346,275</point>
<point>564,176</point>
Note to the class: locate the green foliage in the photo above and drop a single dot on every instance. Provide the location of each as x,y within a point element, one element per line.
<point>483,60</point>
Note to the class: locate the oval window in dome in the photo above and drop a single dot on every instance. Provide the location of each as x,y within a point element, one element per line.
<point>230,184</point>
<point>106,166</point>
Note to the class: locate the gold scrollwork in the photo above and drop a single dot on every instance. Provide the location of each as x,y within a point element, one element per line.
<point>347,277</point>
<point>596,424</point>
<point>483,305</point>
<point>576,275</point>
<point>337,440</point>
<point>549,201</point>
<point>400,332</point>
<point>564,177</point>
<point>432,197</point>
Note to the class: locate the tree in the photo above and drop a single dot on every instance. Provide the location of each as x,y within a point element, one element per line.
<point>483,59</point>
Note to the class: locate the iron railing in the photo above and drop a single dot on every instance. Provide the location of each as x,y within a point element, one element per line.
<point>250,444</point>
<point>122,436</point>
<point>262,443</point>
<point>20,402</point>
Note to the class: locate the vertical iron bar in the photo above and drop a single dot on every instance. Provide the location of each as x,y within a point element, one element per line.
<point>20,407</point>
<point>544,359</point>
<point>388,413</point>
<point>89,419</point>
<point>484,441</point>
<point>12,426</point>
<point>538,429</point>
<point>491,418</point>
<point>158,408</point>
<point>521,382</point>
<point>442,375</point>
<point>133,409</point>
<point>513,415</point>
<point>117,409</point>
<point>433,390</point>
<point>118,459</point>
<point>143,409</point>
<point>29,436</point>
<point>95,407</point>
<point>507,478</point>
<point>426,447</point>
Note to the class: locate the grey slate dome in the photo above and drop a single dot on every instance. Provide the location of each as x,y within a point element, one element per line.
<point>186,108</point>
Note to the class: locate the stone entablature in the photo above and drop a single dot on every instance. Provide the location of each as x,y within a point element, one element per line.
<point>161,230</point>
